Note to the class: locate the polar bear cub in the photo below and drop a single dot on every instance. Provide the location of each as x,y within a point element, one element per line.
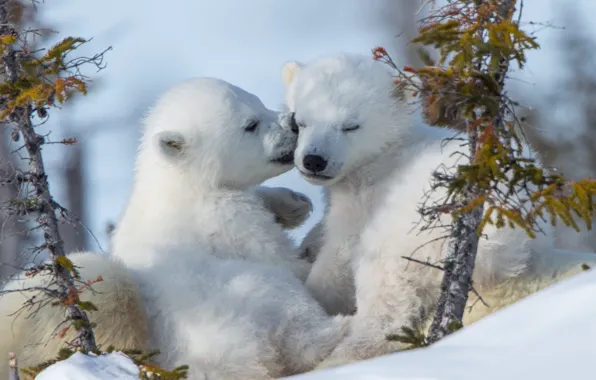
<point>121,320</point>
<point>357,139</point>
<point>219,280</point>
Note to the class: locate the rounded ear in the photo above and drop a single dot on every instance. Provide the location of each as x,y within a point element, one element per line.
<point>170,143</point>
<point>289,71</point>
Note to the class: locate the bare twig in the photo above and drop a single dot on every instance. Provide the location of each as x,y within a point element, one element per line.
<point>425,263</point>
<point>434,266</point>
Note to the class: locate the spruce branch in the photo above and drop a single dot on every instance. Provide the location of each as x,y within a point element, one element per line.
<point>34,82</point>
<point>492,182</point>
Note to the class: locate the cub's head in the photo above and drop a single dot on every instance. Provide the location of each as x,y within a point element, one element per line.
<point>347,113</point>
<point>215,133</point>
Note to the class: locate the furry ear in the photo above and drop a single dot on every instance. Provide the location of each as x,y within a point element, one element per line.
<point>170,143</point>
<point>289,71</point>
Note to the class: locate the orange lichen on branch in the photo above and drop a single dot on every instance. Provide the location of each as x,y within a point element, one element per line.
<point>64,85</point>
<point>69,141</point>
<point>379,53</point>
<point>42,79</point>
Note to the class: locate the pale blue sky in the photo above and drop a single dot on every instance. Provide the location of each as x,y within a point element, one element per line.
<point>157,43</point>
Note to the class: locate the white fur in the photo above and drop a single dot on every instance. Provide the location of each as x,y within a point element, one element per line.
<point>120,318</point>
<point>376,177</point>
<point>313,241</point>
<point>219,279</point>
<point>30,332</point>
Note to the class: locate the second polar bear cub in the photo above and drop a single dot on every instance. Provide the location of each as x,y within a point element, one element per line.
<point>357,138</point>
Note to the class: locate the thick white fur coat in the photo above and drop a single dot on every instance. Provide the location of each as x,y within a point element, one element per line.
<point>30,332</point>
<point>376,169</point>
<point>214,281</point>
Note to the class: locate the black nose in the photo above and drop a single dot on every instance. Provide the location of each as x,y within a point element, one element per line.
<point>314,163</point>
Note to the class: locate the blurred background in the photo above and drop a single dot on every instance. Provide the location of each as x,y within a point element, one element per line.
<point>158,43</point>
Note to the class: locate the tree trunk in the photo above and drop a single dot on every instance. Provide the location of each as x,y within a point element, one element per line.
<point>42,202</point>
<point>459,265</point>
<point>461,256</point>
<point>48,221</point>
<point>12,230</point>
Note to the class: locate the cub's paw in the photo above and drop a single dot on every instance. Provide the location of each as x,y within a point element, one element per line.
<point>291,208</point>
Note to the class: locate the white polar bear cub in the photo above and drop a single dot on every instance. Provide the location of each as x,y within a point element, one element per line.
<point>219,279</point>
<point>222,278</point>
<point>120,318</point>
<point>358,140</point>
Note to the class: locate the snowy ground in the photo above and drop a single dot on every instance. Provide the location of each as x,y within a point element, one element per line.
<point>114,366</point>
<point>549,335</point>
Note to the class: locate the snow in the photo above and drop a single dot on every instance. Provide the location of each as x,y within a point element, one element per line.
<point>549,335</point>
<point>113,366</point>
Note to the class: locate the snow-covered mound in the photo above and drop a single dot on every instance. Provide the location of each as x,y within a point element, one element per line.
<point>114,366</point>
<point>549,335</point>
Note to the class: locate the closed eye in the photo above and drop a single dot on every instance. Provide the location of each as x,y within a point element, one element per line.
<point>295,125</point>
<point>251,126</point>
<point>351,127</point>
